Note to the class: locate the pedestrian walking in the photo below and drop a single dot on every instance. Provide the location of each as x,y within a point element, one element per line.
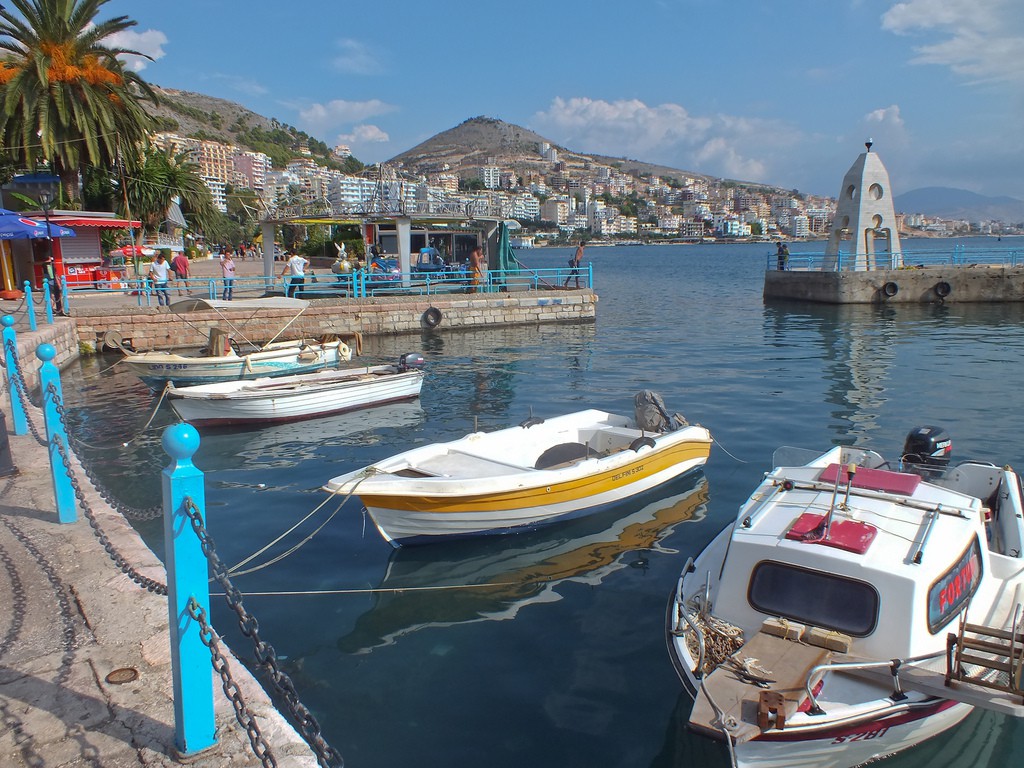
<point>227,271</point>
<point>180,267</point>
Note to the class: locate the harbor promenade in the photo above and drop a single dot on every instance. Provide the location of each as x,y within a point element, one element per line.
<point>85,659</point>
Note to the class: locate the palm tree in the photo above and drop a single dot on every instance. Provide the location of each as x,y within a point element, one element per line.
<point>158,177</point>
<point>66,97</point>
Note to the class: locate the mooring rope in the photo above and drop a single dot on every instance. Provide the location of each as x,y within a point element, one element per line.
<point>235,569</point>
<point>377,590</point>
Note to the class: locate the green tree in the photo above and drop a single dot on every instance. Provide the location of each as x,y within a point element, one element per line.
<point>66,97</point>
<point>155,179</point>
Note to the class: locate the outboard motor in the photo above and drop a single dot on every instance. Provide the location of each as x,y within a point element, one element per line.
<point>410,360</point>
<point>926,451</point>
<point>651,415</point>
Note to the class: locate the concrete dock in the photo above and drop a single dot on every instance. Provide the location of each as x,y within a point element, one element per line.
<point>74,626</point>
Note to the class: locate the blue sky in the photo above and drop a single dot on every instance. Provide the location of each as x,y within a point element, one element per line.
<point>783,93</point>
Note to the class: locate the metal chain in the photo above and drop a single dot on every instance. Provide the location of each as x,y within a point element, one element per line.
<point>149,513</point>
<point>265,654</point>
<point>244,717</point>
<point>143,581</point>
<point>19,384</point>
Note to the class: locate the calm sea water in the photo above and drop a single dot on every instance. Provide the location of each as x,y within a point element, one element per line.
<point>548,649</point>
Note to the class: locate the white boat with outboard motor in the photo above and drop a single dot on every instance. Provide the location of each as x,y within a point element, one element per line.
<point>229,355</point>
<point>540,472</point>
<point>855,607</point>
<point>300,396</point>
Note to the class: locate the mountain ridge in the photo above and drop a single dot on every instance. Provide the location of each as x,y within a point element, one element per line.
<point>954,203</point>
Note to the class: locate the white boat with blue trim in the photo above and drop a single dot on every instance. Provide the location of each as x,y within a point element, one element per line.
<point>855,607</point>
<point>534,474</point>
<point>229,355</point>
<point>301,396</point>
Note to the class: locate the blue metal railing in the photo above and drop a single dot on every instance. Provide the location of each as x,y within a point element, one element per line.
<point>958,255</point>
<point>357,284</point>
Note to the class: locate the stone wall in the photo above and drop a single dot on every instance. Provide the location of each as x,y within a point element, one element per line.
<point>925,285</point>
<point>156,328</point>
<point>62,335</point>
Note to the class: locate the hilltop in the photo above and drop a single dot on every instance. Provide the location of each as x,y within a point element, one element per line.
<point>198,116</point>
<point>483,141</point>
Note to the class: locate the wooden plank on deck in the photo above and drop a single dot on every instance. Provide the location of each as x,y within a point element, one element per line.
<point>788,664</point>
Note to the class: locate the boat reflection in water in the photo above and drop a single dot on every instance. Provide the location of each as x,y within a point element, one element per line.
<point>288,444</point>
<point>492,578</point>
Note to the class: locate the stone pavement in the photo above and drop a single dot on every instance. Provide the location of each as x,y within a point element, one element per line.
<point>71,618</point>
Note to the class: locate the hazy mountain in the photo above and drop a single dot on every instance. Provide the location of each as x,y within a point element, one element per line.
<point>950,203</point>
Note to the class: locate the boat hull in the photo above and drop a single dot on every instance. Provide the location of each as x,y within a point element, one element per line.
<point>294,398</point>
<point>853,745</point>
<point>281,359</point>
<point>412,510</point>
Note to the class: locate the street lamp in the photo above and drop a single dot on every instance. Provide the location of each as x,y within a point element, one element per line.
<point>46,203</point>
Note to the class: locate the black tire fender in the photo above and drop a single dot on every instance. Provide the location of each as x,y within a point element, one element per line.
<point>890,289</point>
<point>432,317</point>
<point>943,289</point>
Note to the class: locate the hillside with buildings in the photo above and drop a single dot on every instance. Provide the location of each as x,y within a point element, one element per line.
<point>485,166</point>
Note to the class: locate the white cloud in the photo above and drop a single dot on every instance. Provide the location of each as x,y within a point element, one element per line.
<point>326,118</point>
<point>888,116</point>
<point>981,39</point>
<point>364,134</point>
<point>356,58</point>
<point>150,42</point>
<point>724,145</point>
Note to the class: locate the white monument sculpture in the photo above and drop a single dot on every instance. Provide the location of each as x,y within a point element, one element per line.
<point>864,215</point>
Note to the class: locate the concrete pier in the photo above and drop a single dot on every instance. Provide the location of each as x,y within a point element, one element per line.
<point>73,626</point>
<point>923,285</point>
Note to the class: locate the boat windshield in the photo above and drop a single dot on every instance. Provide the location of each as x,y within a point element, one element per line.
<point>814,597</point>
<point>788,456</point>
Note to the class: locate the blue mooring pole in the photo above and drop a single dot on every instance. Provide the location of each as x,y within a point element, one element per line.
<point>187,573</point>
<point>14,380</point>
<point>49,379</point>
<point>30,308</point>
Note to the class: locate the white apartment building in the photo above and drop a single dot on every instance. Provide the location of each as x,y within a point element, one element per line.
<point>216,187</point>
<point>799,226</point>
<point>490,175</point>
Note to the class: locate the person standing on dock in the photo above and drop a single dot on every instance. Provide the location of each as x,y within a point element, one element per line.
<point>575,262</point>
<point>782,256</point>
<point>227,271</point>
<point>296,270</point>
<point>180,266</point>
<point>476,267</point>
<point>160,273</point>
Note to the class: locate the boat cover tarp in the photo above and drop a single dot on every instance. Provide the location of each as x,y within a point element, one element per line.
<point>196,304</point>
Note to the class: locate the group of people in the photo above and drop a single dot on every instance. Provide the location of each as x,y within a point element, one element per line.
<point>161,272</point>
<point>782,256</point>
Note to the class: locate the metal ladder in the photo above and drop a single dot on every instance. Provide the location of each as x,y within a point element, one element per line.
<point>995,656</point>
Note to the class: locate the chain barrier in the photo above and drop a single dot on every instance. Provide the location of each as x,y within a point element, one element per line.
<point>265,654</point>
<point>143,581</point>
<point>19,384</point>
<point>149,513</point>
<point>244,717</point>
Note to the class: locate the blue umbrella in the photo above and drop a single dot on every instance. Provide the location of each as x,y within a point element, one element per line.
<point>15,226</point>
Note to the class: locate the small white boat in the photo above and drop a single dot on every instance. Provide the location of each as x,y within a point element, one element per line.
<point>539,472</point>
<point>229,356</point>
<point>301,396</point>
<point>855,607</point>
